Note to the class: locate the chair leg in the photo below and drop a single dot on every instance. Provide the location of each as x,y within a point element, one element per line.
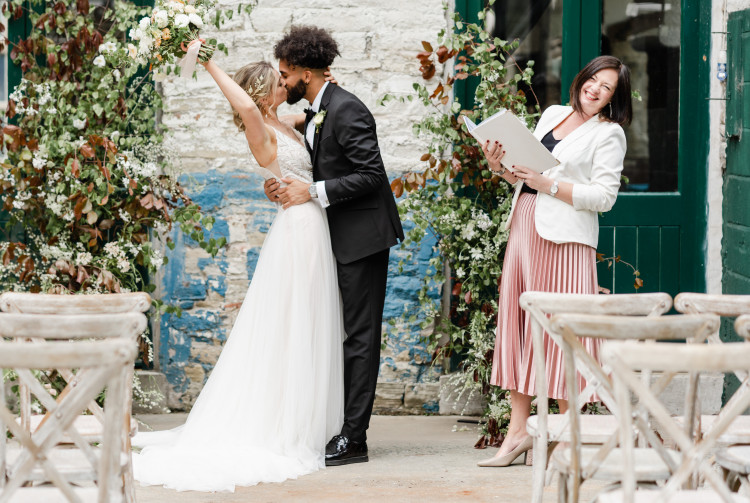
<point>539,467</point>
<point>562,488</point>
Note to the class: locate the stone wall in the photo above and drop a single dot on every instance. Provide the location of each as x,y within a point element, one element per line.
<point>378,43</point>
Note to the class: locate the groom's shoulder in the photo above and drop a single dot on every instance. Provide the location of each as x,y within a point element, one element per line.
<point>343,96</point>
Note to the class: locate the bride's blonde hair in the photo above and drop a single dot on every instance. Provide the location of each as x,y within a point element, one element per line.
<point>259,81</point>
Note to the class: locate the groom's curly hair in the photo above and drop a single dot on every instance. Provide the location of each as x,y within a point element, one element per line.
<point>307,46</point>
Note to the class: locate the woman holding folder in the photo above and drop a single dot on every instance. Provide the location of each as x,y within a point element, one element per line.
<point>554,229</point>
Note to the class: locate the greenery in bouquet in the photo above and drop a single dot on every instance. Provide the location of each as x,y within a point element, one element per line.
<point>163,37</point>
<point>87,183</point>
<point>455,200</point>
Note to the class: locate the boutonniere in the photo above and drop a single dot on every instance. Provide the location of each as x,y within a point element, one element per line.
<point>318,119</point>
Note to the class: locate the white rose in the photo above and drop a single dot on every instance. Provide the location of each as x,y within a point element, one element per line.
<point>181,21</point>
<point>176,7</point>
<point>79,123</point>
<point>189,9</point>
<point>100,61</point>
<point>134,33</point>
<point>196,20</point>
<point>161,18</point>
<point>132,51</point>
<point>108,47</point>
<point>144,23</point>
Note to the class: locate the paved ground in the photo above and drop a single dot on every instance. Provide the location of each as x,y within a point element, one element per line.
<point>412,458</point>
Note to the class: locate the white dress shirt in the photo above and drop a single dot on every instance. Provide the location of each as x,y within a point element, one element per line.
<point>310,137</point>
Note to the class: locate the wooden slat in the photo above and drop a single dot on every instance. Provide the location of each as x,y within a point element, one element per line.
<point>48,326</point>
<point>680,357</point>
<point>722,305</point>
<point>632,327</point>
<point>78,355</point>
<point>38,303</point>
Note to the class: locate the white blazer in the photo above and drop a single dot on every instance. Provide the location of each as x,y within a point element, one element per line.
<point>591,159</point>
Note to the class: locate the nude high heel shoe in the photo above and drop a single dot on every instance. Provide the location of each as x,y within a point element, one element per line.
<point>523,447</point>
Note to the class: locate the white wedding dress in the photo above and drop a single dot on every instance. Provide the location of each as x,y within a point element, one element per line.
<point>276,394</point>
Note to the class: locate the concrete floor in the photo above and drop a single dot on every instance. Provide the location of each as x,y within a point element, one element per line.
<point>412,458</point>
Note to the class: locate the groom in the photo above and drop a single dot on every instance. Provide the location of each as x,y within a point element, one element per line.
<point>350,182</point>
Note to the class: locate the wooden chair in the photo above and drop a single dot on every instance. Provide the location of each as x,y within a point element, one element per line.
<point>34,457</point>
<point>575,462</point>
<point>90,426</point>
<point>545,427</point>
<point>735,460</point>
<point>695,461</point>
<point>727,306</point>
<point>41,331</point>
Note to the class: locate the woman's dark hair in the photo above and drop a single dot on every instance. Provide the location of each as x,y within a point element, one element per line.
<point>307,46</point>
<point>621,110</point>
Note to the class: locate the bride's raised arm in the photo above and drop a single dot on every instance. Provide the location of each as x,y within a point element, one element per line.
<point>258,136</point>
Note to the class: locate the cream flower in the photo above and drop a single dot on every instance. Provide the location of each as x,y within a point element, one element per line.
<point>100,61</point>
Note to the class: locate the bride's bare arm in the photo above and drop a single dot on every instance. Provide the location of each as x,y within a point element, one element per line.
<point>256,132</point>
<point>297,121</point>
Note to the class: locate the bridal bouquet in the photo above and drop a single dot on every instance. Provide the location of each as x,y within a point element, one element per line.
<point>164,36</point>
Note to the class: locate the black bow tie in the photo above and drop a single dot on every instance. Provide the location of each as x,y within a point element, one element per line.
<point>309,114</point>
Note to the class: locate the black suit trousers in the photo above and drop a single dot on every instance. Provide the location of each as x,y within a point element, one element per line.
<point>362,284</point>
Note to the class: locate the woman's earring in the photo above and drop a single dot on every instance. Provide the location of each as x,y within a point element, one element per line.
<point>610,109</point>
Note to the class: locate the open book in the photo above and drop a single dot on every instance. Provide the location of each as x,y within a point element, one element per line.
<point>520,145</point>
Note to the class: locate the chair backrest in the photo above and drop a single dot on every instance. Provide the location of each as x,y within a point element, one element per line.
<point>39,303</point>
<point>628,359</point>
<point>99,365</point>
<point>541,305</point>
<point>572,328</point>
<point>41,328</point>
<point>729,306</point>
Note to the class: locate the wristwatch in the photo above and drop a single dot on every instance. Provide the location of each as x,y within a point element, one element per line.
<point>313,190</point>
<point>553,190</point>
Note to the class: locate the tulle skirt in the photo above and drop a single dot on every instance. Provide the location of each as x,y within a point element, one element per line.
<point>276,394</point>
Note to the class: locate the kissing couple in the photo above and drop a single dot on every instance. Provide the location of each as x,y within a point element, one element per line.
<point>294,386</point>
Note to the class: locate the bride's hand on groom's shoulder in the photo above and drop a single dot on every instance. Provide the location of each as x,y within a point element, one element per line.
<point>329,76</point>
<point>295,192</point>
<point>271,188</point>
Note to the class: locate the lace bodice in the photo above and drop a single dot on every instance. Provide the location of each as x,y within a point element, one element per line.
<point>292,157</point>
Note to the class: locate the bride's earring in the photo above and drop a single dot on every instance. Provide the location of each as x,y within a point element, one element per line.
<point>610,109</point>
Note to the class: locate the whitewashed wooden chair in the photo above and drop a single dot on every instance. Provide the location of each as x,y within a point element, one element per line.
<point>576,462</point>
<point>545,427</point>
<point>726,306</point>
<point>91,425</point>
<point>38,330</point>
<point>696,460</point>
<point>735,460</point>
<point>98,352</point>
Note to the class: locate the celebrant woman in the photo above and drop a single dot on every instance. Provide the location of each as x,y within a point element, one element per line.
<point>554,230</point>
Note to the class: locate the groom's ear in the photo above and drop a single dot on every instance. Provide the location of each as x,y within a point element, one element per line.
<point>307,76</point>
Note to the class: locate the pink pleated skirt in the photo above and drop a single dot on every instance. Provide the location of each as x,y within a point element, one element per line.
<point>535,264</point>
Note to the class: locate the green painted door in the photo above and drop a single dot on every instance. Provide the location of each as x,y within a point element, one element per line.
<point>659,221</point>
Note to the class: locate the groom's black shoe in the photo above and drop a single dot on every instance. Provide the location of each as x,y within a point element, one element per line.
<point>343,451</point>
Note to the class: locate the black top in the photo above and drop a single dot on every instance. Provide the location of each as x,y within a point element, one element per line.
<point>550,142</point>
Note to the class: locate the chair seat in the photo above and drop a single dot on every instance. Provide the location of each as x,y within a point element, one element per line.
<point>649,467</point>
<point>88,426</point>
<point>69,461</point>
<point>654,496</point>
<point>735,458</point>
<point>595,428</point>
<point>53,495</point>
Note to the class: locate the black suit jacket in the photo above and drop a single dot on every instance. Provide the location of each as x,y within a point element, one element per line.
<point>362,216</point>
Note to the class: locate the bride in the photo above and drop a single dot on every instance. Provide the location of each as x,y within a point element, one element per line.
<point>276,394</point>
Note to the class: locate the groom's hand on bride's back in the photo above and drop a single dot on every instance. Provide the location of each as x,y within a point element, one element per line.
<point>271,188</point>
